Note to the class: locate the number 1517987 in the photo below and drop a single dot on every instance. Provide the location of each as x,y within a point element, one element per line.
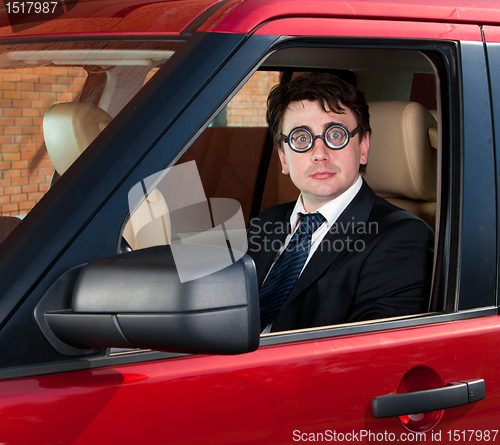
<point>31,7</point>
<point>472,435</point>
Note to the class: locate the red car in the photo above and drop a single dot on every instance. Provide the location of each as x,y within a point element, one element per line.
<point>121,121</point>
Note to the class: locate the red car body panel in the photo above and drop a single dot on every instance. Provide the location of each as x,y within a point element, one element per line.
<point>243,17</point>
<point>261,397</point>
<point>491,33</point>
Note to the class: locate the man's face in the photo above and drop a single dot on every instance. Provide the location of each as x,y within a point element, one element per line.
<point>321,174</point>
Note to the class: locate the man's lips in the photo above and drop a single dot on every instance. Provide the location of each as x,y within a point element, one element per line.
<point>322,175</point>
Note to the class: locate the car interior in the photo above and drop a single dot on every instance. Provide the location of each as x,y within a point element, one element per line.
<point>402,164</point>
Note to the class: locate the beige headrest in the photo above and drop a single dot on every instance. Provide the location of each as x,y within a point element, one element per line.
<point>401,160</point>
<point>69,128</point>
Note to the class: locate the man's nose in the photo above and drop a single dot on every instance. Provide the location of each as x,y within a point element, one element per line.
<point>320,151</point>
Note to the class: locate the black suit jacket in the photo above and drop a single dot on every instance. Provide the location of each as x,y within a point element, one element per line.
<point>375,262</point>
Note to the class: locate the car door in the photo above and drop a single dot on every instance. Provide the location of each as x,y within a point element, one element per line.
<point>310,385</point>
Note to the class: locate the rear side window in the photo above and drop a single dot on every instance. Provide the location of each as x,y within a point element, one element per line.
<point>55,99</point>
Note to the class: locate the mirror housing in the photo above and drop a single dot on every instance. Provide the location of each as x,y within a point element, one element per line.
<point>136,300</point>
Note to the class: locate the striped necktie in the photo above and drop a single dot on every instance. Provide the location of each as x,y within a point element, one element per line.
<point>287,268</point>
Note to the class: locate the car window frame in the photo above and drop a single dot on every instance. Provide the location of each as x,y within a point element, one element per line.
<point>479,202</point>
<point>492,49</point>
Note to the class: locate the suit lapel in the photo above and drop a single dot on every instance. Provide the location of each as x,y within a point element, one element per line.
<point>342,234</point>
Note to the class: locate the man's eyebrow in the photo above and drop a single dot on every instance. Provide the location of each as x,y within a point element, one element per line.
<point>325,126</point>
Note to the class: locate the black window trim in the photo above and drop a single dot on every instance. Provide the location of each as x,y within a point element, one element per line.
<point>130,357</point>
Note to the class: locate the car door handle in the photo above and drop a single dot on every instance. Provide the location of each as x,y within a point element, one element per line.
<point>454,394</point>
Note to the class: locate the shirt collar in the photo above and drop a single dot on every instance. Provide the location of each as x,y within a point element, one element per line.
<point>331,210</point>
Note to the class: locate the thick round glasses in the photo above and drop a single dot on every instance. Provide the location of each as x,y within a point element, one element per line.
<point>336,137</point>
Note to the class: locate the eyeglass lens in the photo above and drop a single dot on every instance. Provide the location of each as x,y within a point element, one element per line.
<point>301,139</point>
<point>336,136</point>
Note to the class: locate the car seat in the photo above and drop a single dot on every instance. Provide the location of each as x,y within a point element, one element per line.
<point>402,159</point>
<point>69,128</point>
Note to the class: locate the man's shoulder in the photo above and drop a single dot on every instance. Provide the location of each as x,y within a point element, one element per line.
<point>367,204</point>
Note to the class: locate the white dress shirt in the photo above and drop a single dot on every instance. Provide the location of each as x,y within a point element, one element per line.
<point>331,211</point>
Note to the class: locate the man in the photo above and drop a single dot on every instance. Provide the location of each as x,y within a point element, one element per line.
<point>347,255</point>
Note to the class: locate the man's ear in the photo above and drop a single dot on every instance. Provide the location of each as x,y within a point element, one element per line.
<point>364,147</point>
<point>284,166</point>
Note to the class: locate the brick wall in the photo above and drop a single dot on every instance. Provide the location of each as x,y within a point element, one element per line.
<point>248,107</point>
<point>25,95</point>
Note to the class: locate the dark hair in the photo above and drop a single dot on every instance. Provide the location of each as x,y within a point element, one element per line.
<point>324,88</point>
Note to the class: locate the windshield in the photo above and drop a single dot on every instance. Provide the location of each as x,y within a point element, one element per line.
<point>55,99</point>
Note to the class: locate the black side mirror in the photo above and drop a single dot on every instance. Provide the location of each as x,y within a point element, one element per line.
<point>136,300</point>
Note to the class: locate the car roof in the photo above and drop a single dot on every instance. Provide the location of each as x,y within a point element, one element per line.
<point>244,16</point>
<point>143,17</point>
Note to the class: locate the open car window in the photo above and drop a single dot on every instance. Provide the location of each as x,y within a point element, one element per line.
<point>234,157</point>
